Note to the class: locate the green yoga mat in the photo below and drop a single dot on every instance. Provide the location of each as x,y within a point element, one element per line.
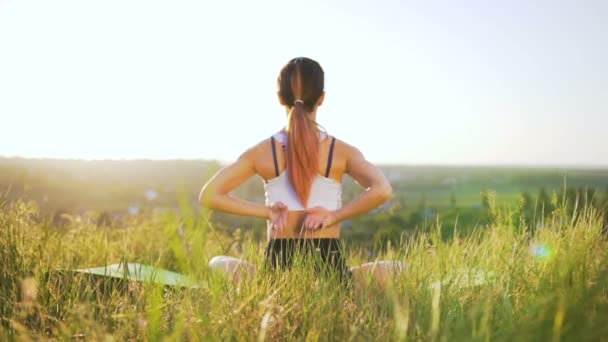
<point>141,273</point>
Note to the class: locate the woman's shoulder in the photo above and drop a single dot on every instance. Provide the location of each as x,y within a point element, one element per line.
<point>260,147</point>
<point>253,152</point>
<point>346,149</point>
<point>264,147</point>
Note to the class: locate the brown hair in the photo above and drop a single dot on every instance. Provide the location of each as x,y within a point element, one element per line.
<point>301,84</point>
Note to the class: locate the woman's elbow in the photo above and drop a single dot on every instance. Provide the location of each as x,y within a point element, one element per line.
<point>206,196</point>
<point>385,192</point>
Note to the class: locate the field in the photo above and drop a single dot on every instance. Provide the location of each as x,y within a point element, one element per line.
<point>109,192</point>
<point>515,272</point>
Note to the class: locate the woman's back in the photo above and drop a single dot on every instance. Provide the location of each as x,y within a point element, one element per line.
<point>326,189</point>
<point>324,192</point>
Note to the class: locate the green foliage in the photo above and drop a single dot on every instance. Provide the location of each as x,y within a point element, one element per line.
<point>499,281</point>
<point>528,264</point>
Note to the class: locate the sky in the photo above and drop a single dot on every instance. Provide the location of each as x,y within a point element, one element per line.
<point>426,82</point>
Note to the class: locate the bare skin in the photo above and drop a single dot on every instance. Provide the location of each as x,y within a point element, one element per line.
<point>311,223</point>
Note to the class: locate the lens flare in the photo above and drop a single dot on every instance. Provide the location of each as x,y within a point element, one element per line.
<point>542,252</point>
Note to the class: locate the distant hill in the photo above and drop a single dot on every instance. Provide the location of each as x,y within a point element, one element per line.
<point>118,185</point>
<point>76,185</point>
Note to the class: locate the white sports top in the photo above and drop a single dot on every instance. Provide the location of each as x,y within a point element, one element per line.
<point>325,191</point>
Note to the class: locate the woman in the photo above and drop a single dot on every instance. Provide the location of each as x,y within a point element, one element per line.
<point>302,167</point>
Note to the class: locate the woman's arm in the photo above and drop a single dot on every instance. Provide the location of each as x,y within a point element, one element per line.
<point>215,194</point>
<point>377,191</point>
<point>377,188</point>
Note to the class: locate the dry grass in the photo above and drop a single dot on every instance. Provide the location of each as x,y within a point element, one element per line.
<point>503,282</point>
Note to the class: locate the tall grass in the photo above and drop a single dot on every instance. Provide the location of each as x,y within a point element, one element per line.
<point>509,281</point>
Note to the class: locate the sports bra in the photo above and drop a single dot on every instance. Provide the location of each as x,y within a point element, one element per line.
<point>325,191</point>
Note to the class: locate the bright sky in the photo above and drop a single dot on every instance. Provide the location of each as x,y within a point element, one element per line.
<point>452,82</point>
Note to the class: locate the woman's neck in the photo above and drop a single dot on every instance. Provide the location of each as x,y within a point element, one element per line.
<point>312,115</point>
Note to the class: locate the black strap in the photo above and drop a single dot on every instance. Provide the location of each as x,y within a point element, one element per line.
<point>330,157</point>
<point>274,157</point>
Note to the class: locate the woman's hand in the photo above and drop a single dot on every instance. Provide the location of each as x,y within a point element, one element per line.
<point>318,217</point>
<point>277,214</point>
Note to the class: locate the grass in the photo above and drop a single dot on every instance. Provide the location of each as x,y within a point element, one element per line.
<point>503,282</point>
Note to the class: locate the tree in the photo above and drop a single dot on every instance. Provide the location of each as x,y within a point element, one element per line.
<point>415,220</point>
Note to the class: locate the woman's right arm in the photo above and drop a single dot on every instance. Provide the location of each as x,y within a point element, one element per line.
<point>377,191</point>
<point>216,193</point>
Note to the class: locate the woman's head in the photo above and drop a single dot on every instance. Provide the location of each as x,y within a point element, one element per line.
<point>301,84</point>
<point>301,79</point>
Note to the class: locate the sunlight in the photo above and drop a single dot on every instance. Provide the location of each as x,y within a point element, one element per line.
<point>542,252</point>
<point>409,84</point>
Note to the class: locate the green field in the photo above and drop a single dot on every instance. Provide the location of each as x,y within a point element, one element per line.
<point>109,193</point>
<point>501,254</point>
<point>77,186</point>
<point>507,281</point>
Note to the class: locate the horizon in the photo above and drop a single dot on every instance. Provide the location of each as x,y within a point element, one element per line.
<point>413,165</point>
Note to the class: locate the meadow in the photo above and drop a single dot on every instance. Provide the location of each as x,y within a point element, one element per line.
<point>500,283</point>
<point>512,275</point>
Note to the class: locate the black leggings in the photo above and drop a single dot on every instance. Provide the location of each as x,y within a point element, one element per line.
<point>326,255</point>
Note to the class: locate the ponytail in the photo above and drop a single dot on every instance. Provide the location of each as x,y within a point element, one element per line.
<point>302,144</point>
